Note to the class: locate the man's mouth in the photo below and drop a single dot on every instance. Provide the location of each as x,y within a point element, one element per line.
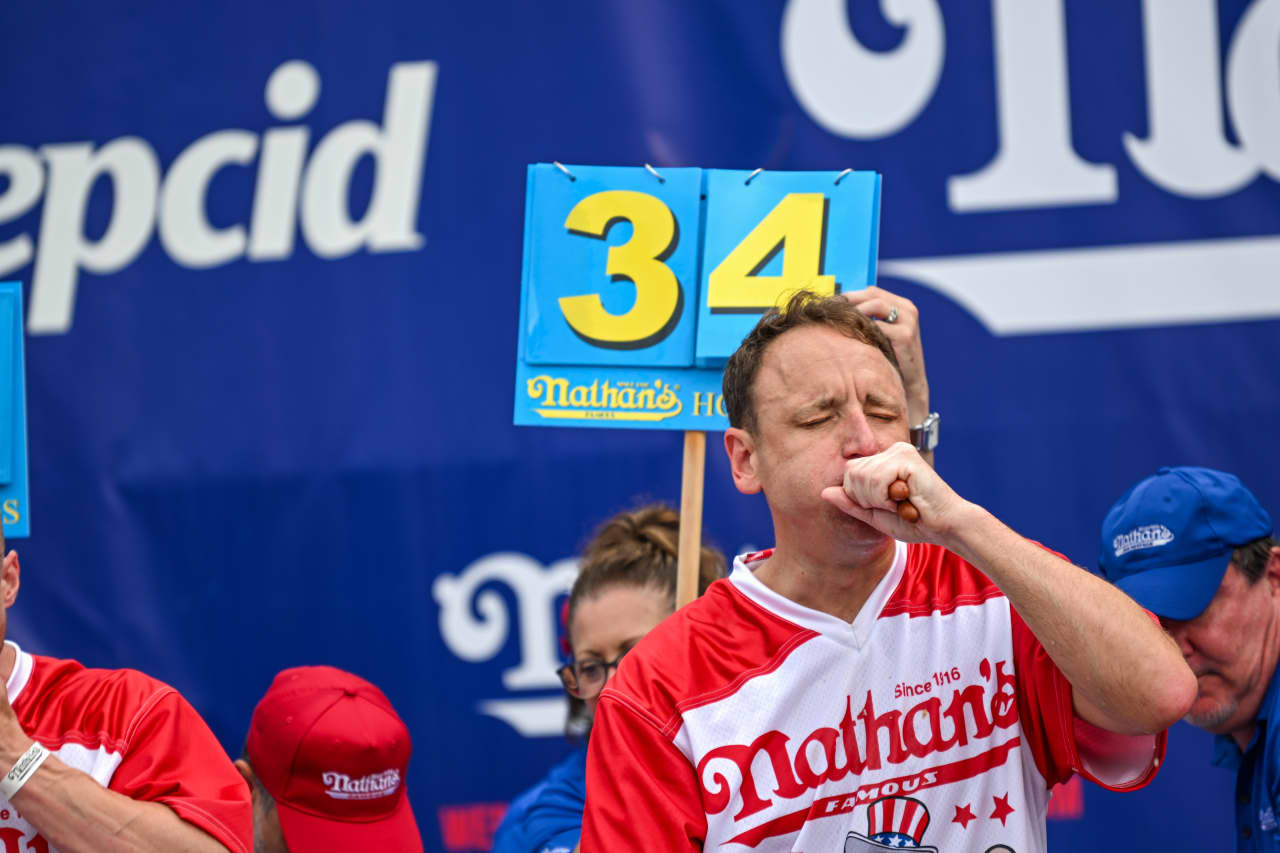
<point>1201,678</point>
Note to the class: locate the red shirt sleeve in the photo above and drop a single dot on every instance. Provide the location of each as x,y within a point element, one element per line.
<point>1060,741</point>
<point>642,793</point>
<point>173,758</point>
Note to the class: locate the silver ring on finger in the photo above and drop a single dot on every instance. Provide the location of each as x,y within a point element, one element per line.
<point>893,316</point>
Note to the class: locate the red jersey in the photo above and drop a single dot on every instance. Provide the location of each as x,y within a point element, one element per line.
<point>133,735</point>
<point>933,721</point>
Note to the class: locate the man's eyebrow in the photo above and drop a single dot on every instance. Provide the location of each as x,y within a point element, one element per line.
<point>873,399</point>
<point>821,404</point>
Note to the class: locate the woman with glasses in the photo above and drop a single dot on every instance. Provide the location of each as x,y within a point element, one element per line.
<point>626,585</point>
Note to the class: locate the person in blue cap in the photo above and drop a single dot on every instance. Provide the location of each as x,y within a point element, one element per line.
<point>1195,547</point>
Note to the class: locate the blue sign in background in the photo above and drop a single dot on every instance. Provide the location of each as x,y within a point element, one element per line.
<point>15,505</point>
<point>674,277</point>
<point>245,460</point>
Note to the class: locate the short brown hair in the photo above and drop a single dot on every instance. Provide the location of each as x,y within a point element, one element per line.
<point>639,548</point>
<point>1251,558</point>
<point>804,308</point>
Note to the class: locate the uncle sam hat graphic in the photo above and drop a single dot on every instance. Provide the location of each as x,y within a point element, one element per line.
<point>893,823</point>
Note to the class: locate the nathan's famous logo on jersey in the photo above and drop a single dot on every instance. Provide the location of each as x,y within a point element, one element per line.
<point>557,397</point>
<point>1146,536</point>
<point>856,745</point>
<point>293,190</point>
<point>340,786</point>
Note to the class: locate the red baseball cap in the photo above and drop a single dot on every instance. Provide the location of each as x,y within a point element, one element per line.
<point>328,746</point>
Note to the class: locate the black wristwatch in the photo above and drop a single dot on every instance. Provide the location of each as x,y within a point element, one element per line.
<point>925,435</point>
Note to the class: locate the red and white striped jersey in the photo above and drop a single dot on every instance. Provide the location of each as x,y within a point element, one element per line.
<point>133,735</point>
<point>933,721</point>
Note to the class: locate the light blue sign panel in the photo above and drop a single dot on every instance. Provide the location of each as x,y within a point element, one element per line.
<point>14,503</point>
<point>610,266</point>
<point>8,313</point>
<point>772,233</point>
<point>637,286</point>
<point>645,398</point>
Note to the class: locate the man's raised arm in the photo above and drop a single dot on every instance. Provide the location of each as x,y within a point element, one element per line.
<point>1127,675</point>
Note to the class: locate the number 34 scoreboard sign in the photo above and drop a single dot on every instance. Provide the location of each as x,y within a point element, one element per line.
<point>638,284</point>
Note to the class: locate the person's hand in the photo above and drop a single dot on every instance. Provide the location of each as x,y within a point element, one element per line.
<point>866,495</point>
<point>904,333</point>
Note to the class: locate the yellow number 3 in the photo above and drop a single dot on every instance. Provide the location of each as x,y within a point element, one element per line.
<point>639,260</point>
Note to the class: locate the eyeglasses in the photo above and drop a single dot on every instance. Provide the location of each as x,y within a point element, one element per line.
<point>584,679</point>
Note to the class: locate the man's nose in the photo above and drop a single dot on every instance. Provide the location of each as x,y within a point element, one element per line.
<point>1178,631</point>
<point>858,439</point>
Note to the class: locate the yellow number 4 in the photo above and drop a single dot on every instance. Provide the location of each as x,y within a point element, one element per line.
<point>797,227</point>
<point>639,260</point>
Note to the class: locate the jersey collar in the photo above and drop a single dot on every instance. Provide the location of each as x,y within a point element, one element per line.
<point>22,666</point>
<point>854,633</point>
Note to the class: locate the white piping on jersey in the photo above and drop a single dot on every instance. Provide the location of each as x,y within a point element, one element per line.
<point>22,667</point>
<point>855,633</point>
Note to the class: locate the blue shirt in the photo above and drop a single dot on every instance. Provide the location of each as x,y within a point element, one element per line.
<point>548,817</point>
<point>1257,777</point>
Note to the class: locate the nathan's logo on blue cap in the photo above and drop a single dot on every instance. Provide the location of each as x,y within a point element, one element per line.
<point>1146,536</point>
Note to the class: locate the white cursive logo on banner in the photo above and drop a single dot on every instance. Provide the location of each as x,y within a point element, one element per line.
<point>475,621</point>
<point>290,190</point>
<point>853,92</point>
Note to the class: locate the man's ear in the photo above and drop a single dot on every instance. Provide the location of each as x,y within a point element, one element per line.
<point>249,779</point>
<point>1272,570</point>
<point>10,579</point>
<point>741,447</point>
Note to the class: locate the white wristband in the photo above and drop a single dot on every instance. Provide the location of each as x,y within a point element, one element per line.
<point>22,770</point>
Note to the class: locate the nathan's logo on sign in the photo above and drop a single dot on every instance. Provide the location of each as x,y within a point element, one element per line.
<point>1147,536</point>
<point>865,742</point>
<point>556,397</point>
<point>292,188</point>
<point>340,786</point>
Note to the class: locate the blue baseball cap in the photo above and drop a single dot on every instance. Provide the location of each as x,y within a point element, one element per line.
<point>1167,542</point>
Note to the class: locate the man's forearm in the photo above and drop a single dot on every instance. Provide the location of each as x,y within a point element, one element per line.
<point>1127,675</point>
<point>77,815</point>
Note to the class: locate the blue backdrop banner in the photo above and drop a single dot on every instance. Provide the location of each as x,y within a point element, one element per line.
<point>271,257</point>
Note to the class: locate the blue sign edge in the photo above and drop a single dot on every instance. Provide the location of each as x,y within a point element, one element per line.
<point>21,479</point>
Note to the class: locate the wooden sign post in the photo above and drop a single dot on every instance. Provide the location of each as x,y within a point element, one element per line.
<point>691,482</point>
